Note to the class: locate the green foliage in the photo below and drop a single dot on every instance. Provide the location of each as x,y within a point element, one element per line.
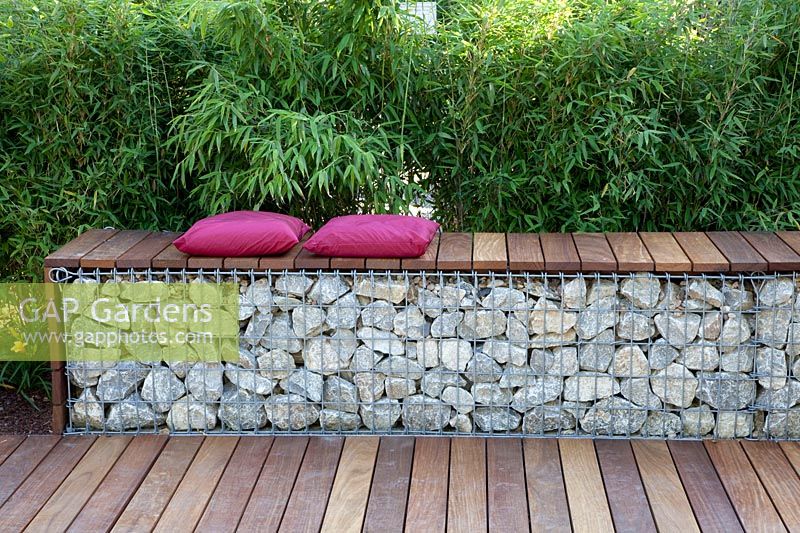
<point>24,377</point>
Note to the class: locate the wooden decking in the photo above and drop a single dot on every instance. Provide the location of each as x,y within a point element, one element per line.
<point>389,484</point>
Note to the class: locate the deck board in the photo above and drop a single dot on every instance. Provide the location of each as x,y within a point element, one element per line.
<point>466,495</point>
<point>455,251</point>
<point>26,457</point>
<point>559,252</point>
<point>630,509</point>
<point>705,257</point>
<point>630,251</point>
<point>667,254</point>
<point>489,252</point>
<point>778,477</point>
<point>779,255</point>
<point>741,255</point>
<point>9,443</point>
<point>507,498</point>
<point>427,261</point>
<point>524,252</point>
<point>390,482</point>
<point>547,497</point>
<point>106,254</point>
<point>427,495</point>
<point>141,254</point>
<point>595,252</point>
<point>350,493</point>
<point>586,495</point>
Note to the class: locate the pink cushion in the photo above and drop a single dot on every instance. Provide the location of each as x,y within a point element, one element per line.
<point>373,236</point>
<point>242,234</point>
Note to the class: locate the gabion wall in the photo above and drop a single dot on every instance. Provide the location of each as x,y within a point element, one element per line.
<point>545,355</point>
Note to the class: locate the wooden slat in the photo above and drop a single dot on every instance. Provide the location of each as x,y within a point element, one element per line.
<point>560,254</point>
<point>547,496</point>
<point>585,493</point>
<point>230,498</point>
<point>792,451</point>
<point>285,261</point>
<point>241,263</point>
<point>141,255</point>
<point>9,443</point>
<point>112,495</point>
<point>427,496</point>
<point>668,500</point>
<point>507,501</point>
<point>667,254</point>
<point>274,485</point>
<point>71,253</point>
<point>466,498</point>
<point>630,251</point>
<point>309,261</point>
<point>792,238</point>
<point>455,251</point>
<point>107,253</point>
<point>489,252</point>
<point>524,252</point>
<point>78,487</point>
<point>306,506</point>
<point>779,255</point>
<point>170,257</point>
<point>191,497</point>
<point>386,508</point>
<point>738,252</point>
<point>426,261</point>
<point>348,263</point>
<point>778,477</point>
<point>206,263</point>
<point>348,500</point>
<point>153,495</point>
<point>750,500</point>
<point>388,263</point>
<point>22,462</point>
<point>26,501</point>
<point>710,502</point>
<point>626,496</point>
<point>595,252</point>
<point>701,252</point>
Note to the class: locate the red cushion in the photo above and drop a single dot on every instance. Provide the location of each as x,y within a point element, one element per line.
<point>373,236</point>
<point>242,234</point>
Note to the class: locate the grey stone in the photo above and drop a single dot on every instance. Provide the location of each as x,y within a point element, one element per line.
<point>775,292</point>
<point>430,303</point>
<point>370,385</point>
<point>597,354</point>
<point>332,420</point>
<point>382,288</point>
<point>399,388</point>
<point>285,304</point>
<point>772,326</point>
<point>204,381</point>
<point>701,356</point>
<point>482,324</point>
<point>504,298</point>
<point>600,290</point>
<point>379,314</point>
<point>638,391</point>
<point>739,360</point>
<point>328,288</point>
<point>455,353</point>
<point>307,321</point>
<point>588,386</point>
<point>771,368</point>
<point>735,331</point>
<point>483,369</point>
<point>496,419</point>
<point>161,387</point>
<point>726,390</point>
<point>641,291</point>
<point>329,355</point>
<point>783,424</point>
<point>599,316</point>
<point>364,359</point>
<point>613,416</point>
<point>737,299</point>
<point>629,362</point>
<point>573,293</point>
<point>84,374</point>
<point>793,339</point>
<point>343,313</point>
<point>552,340</point>
<point>544,418</point>
<point>547,317</point>
<point>678,329</point>
<point>461,423</point>
<point>259,295</point>
<point>517,331</point>
<point>544,390</point>
<point>672,297</point>
<point>783,398</point>
<point>240,409</point>
<point>705,292</point>
<point>446,324</point>
<point>381,341</point>
<point>660,424</point>
<point>564,362</point>
<point>280,336</point>
<point>249,380</point>
<point>190,413</point>
<point>423,413</point>
<point>460,399</point>
<point>410,323</point>
<point>119,382</point>
<point>635,326</point>
<point>257,327</point>
<point>490,394</point>
<point>435,380</point>
<point>293,284</point>
<point>453,296</point>
<point>428,353</point>
<point>132,413</point>
<point>304,383</point>
<point>246,307</point>
<point>381,415</point>
<point>275,364</point>
<point>675,385</point>
<point>340,395</point>
<point>517,376</point>
<point>697,421</point>
<point>247,359</point>
<point>290,411</point>
<point>661,354</point>
<point>711,326</point>
<point>733,424</point>
<point>87,411</point>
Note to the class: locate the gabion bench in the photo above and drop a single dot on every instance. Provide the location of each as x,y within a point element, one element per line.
<point>636,335</point>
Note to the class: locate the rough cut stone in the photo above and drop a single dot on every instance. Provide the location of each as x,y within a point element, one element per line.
<point>775,292</point>
<point>635,326</point>
<point>428,353</point>
<point>381,341</point>
<point>190,413</point>
<point>328,355</point>
<point>204,381</point>
<point>423,413</point>
<point>661,354</point>
<point>731,391</point>
<point>430,303</point>
<point>675,384</point>
<point>711,326</point>
<point>544,418</point>
<point>697,421</point>
<point>517,331</point>
<point>588,386</point>
<point>382,414</point>
<point>700,357</point>
<point>455,354</point>
<point>496,419</point>
<point>304,383</point>
<point>772,326</point>
<point>679,330</point>
<point>461,423</point>
<point>613,416</point>
<point>564,362</point>
<point>504,298</point>
<point>446,324</point>
<point>119,382</point>
<point>275,364</point>
<point>641,291</point>
<point>771,368</point>
<point>435,380</point>
<point>370,385</point>
<point>132,413</point>
<point>293,285</point>
<point>382,288</point>
<point>601,289</point>
<point>783,424</point>
<point>482,324</point>
<point>599,316</point>
<point>630,362</point>
<point>328,288</point>
<point>597,354</point>
<point>280,336</point>
<point>705,292</point>
<point>399,388</point>
<point>257,327</point>
<point>660,424</point>
<point>343,313</point>
<point>735,331</point>
<point>573,294</point>
<point>460,399</point>
<point>379,314</point>
<point>783,398</point>
<point>739,360</point>
<point>249,380</point>
<point>259,295</point>
<point>161,387</point>
<point>84,374</point>
<point>547,317</point>
<point>544,390</point>
<point>490,394</point>
<point>410,323</point>
<point>339,394</point>
<point>737,299</point>
<point>517,376</point>
<point>307,321</point>
<point>734,424</point>
<point>332,420</point>
<point>87,411</point>
<point>290,412</point>
<point>241,409</point>
<point>397,366</point>
<point>638,391</point>
<point>483,369</point>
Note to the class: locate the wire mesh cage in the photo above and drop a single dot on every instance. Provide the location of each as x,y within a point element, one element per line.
<point>465,353</point>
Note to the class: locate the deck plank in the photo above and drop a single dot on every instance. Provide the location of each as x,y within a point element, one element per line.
<point>586,495</point>
<point>348,500</point>
<point>630,509</point>
<point>455,252</point>
<point>778,477</point>
<point>524,252</point>
<point>141,254</point>
<point>240,263</point>
<point>595,252</point>
<point>667,254</point>
<point>708,498</point>
<point>466,501</point>
<point>309,261</point>
<point>29,497</point>
<point>274,486</point>
<point>792,451</point>
<point>489,252</point>
<point>427,495</point>
<point>779,255</point>
<point>191,497</point>
<point>26,457</point>
<point>113,494</point>
<point>284,261</point>
<point>701,252</point>
<point>154,493</point>
<point>670,505</point>
<point>9,443</point>
<point>741,256</point>
<point>547,497</point>
<point>227,504</point>
<point>170,258</point>
<point>630,251</point>
<point>386,508</point>
<point>70,497</point>
<point>750,500</point>
<point>349,263</point>
<point>427,261</point>
<point>107,253</point>
<point>70,254</point>
<point>559,252</point>
<point>306,507</point>
<point>204,263</point>
<point>792,238</point>
<point>507,497</point>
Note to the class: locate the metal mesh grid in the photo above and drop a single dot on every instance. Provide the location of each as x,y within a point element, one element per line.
<point>434,353</point>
